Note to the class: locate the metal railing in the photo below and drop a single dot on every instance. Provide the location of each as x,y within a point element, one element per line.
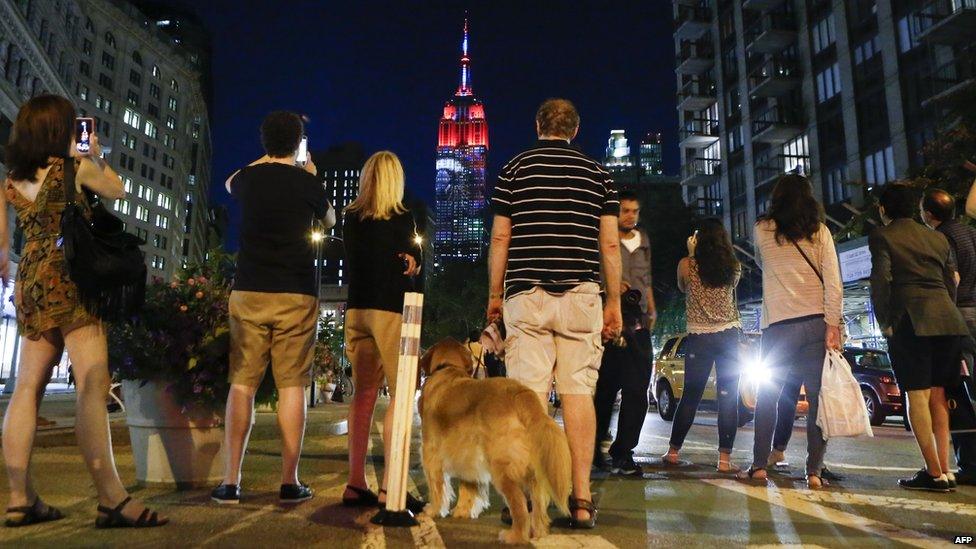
<point>701,166</point>
<point>771,21</point>
<point>773,67</point>
<point>691,14</point>
<point>697,87</point>
<point>951,74</point>
<point>770,168</point>
<point>936,10</point>
<point>775,115</point>
<point>695,49</point>
<point>700,126</point>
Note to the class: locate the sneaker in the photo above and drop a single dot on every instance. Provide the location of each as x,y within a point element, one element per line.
<point>965,478</point>
<point>924,481</point>
<point>827,474</point>
<point>600,462</point>
<point>295,493</point>
<point>626,467</point>
<point>226,494</point>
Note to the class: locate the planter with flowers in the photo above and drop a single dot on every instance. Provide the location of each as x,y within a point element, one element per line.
<point>173,363</point>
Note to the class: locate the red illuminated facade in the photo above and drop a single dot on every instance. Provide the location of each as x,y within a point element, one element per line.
<point>460,191</point>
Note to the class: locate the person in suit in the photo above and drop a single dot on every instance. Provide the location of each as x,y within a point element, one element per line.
<point>912,282</point>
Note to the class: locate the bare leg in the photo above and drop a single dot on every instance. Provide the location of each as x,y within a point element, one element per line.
<point>291,423</point>
<point>920,417</point>
<point>580,421</point>
<point>237,430</point>
<point>88,351</point>
<point>939,408</point>
<point>20,422</point>
<point>360,422</point>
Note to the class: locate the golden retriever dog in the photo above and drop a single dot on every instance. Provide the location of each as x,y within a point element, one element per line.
<point>489,430</point>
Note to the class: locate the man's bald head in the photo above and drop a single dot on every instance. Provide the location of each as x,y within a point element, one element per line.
<point>939,204</point>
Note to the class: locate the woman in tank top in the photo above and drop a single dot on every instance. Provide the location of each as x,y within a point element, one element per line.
<point>708,276</point>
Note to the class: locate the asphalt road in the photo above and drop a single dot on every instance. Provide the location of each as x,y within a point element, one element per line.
<point>687,505</point>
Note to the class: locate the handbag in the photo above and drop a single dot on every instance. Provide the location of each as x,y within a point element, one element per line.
<point>841,411</point>
<point>105,262</point>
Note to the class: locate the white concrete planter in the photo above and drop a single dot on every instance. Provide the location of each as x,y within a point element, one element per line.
<point>167,446</point>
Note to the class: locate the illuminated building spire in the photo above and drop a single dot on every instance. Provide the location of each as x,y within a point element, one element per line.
<point>465,87</point>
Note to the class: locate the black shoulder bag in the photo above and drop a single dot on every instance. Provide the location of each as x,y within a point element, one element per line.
<point>104,261</point>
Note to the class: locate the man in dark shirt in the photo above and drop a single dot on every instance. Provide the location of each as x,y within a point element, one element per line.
<point>938,212</point>
<point>555,224</point>
<point>273,306</point>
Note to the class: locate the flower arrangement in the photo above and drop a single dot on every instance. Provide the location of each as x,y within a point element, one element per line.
<point>182,337</point>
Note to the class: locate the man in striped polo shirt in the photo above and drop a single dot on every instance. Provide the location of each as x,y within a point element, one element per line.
<point>555,222</point>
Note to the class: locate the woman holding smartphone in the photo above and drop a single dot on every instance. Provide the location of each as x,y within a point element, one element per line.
<point>51,317</point>
<point>708,276</point>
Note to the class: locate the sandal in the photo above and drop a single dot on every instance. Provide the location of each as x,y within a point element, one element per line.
<point>113,518</point>
<point>364,498</point>
<point>816,482</point>
<point>750,474</point>
<point>414,505</point>
<point>729,467</point>
<point>579,504</point>
<point>33,514</point>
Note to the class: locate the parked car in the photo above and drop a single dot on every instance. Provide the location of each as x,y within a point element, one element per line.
<point>667,380</point>
<point>872,368</point>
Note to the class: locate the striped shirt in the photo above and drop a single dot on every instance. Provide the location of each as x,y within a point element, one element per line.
<point>555,196</point>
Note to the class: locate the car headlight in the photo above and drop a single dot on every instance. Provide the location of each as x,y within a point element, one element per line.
<point>755,371</point>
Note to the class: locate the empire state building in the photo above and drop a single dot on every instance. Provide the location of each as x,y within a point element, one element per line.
<point>460,191</point>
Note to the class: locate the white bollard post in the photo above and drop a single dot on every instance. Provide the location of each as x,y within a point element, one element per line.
<point>396,512</point>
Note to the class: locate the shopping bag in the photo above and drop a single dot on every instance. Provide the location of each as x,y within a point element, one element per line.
<point>841,411</point>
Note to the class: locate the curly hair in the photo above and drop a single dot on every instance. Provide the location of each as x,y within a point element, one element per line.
<point>717,265</point>
<point>558,118</point>
<point>794,210</point>
<point>281,132</point>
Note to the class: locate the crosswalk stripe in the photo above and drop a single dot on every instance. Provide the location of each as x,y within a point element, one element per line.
<point>797,501</point>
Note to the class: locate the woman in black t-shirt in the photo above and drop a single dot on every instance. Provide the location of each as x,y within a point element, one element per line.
<point>382,257</point>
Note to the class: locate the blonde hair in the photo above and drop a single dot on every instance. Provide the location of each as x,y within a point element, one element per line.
<point>380,188</point>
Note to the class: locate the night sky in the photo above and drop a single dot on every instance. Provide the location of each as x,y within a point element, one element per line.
<point>379,73</point>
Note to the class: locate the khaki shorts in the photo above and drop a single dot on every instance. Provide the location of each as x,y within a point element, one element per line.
<point>373,347</point>
<point>271,327</point>
<point>555,336</point>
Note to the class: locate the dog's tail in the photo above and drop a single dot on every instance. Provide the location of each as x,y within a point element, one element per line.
<point>553,467</point>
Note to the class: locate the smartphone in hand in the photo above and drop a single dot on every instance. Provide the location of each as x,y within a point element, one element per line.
<point>84,129</point>
<point>302,157</point>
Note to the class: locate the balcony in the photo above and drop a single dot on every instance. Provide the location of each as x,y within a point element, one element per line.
<point>698,133</point>
<point>691,22</point>
<point>696,95</point>
<point>695,57</point>
<point>948,21</point>
<point>952,78</point>
<point>769,169</point>
<point>700,172</point>
<point>776,125</point>
<point>775,77</point>
<point>760,5</point>
<point>771,33</point>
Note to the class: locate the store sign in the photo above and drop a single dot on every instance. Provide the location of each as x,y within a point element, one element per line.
<point>855,261</point>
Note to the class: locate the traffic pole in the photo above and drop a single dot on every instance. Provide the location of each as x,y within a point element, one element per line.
<point>396,512</point>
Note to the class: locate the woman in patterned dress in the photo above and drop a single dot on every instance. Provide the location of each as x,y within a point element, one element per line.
<point>50,315</point>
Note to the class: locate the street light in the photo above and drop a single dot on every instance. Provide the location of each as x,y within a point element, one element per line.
<point>317,236</point>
